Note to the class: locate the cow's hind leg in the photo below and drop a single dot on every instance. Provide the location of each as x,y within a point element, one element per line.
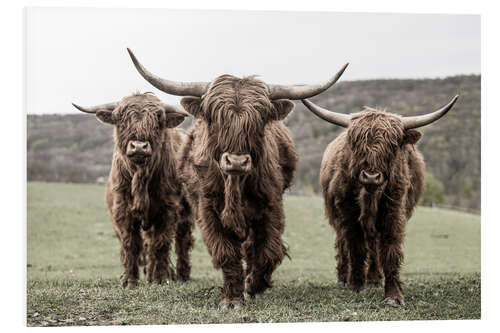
<point>266,251</point>
<point>184,241</point>
<point>158,267</point>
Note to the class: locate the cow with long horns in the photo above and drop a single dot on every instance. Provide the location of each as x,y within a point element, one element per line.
<point>237,163</point>
<point>143,189</point>
<point>372,177</point>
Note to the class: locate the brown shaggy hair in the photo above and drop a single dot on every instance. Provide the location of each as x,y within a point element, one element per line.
<point>370,220</point>
<point>147,194</point>
<point>240,216</point>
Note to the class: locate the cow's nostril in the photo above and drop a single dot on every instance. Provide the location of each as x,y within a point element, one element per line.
<point>132,145</point>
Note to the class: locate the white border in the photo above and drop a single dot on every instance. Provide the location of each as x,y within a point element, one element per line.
<point>13,139</point>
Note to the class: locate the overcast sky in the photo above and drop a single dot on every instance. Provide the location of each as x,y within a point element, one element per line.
<point>79,54</point>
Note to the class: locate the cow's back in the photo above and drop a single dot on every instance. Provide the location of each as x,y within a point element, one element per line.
<point>416,168</point>
<point>178,137</point>
<point>286,149</point>
<point>331,162</point>
<point>330,182</point>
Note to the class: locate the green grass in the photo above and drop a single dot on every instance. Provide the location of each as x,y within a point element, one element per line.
<point>73,269</point>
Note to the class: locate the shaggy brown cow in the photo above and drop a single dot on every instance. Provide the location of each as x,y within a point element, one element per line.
<point>372,177</point>
<point>143,190</point>
<point>238,161</point>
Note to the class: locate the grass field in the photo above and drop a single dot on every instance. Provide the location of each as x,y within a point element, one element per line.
<point>73,268</point>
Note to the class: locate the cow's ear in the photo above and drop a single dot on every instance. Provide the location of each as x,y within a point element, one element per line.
<point>282,107</point>
<point>411,137</point>
<point>174,119</point>
<point>192,105</point>
<point>106,116</point>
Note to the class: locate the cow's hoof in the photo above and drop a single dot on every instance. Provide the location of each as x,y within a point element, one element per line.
<point>341,284</point>
<point>181,278</point>
<point>129,284</point>
<point>227,304</point>
<point>253,296</point>
<point>356,287</point>
<point>162,281</point>
<point>394,303</point>
<point>374,284</point>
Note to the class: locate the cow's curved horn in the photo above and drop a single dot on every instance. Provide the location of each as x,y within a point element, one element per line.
<point>93,109</point>
<point>339,119</point>
<point>174,109</point>
<point>302,92</point>
<point>170,87</point>
<point>426,119</point>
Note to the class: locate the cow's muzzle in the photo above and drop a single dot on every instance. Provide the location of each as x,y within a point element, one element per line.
<point>139,151</point>
<point>374,178</point>
<point>236,164</point>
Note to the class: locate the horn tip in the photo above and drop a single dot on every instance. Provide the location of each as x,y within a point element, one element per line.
<point>131,54</point>
<point>454,99</point>
<point>81,108</point>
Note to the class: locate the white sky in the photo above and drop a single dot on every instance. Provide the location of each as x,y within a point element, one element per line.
<point>79,54</point>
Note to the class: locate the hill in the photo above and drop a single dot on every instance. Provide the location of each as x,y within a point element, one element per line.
<point>78,148</point>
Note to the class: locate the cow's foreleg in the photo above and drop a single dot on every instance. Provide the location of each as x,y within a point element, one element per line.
<point>267,252</point>
<point>374,275</point>
<point>249,255</point>
<point>128,232</point>
<point>356,248</point>
<point>232,287</point>
<point>130,250</point>
<point>391,257</point>
<point>225,250</point>
<point>158,267</point>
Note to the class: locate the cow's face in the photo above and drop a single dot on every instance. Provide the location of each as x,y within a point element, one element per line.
<point>235,112</point>
<point>375,137</point>
<point>140,121</point>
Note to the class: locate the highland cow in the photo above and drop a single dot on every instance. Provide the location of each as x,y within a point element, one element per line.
<point>143,189</point>
<point>372,177</point>
<point>238,161</point>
